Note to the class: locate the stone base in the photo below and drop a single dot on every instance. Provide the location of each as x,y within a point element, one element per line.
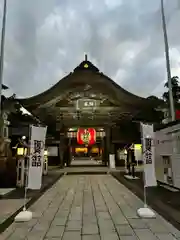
<point>24,216</point>
<point>130,177</point>
<point>146,212</point>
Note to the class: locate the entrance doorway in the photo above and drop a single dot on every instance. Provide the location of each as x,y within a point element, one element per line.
<point>84,154</point>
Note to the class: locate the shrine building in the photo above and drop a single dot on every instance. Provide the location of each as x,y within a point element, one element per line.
<point>88,114</point>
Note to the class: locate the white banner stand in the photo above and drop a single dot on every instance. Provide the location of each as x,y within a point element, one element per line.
<point>24,215</point>
<point>112,164</point>
<point>146,212</point>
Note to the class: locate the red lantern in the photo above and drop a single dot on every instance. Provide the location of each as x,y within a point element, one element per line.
<point>177,114</point>
<point>80,132</point>
<point>92,139</point>
<point>86,136</point>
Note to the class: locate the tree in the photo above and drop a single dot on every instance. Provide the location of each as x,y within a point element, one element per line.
<point>155,101</point>
<point>175,91</point>
<point>153,98</point>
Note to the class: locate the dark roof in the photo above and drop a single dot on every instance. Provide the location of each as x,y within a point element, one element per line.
<point>85,67</point>
<point>169,124</point>
<point>4,87</point>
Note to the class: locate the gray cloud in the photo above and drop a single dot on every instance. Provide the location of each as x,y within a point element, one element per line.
<point>46,39</point>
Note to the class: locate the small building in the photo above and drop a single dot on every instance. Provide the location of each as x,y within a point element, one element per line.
<point>167,154</point>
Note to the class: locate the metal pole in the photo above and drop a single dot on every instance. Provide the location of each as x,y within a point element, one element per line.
<point>28,155</point>
<point>2,50</point>
<point>143,153</point>
<point>145,193</point>
<point>171,101</point>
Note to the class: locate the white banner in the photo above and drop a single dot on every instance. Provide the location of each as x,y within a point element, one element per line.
<point>36,158</point>
<point>112,164</point>
<point>148,155</point>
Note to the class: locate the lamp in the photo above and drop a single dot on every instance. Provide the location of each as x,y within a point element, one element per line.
<point>20,151</point>
<point>137,146</point>
<point>45,152</point>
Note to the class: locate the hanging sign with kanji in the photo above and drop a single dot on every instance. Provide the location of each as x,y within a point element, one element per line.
<point>148,155</point>
<point>36,157</point>
<point>86,136</point>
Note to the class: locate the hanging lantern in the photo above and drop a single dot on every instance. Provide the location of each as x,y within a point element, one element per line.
<point>86,136</point>
<point>92,139</point>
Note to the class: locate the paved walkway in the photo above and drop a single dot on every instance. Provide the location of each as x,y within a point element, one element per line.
<point>14,200</point>
<point>83,161</point>
<point>89,207</point>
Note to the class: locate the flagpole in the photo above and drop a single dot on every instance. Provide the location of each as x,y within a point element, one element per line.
<point>168,68</point>
<point>143,152</point>
<point>2,50</point>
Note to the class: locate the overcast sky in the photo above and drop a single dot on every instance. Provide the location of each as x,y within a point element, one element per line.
<point>46,39</point>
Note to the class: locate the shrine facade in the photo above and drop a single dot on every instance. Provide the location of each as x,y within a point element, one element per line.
<point>87,99</point>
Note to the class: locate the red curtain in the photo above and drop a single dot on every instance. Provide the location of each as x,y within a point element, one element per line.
<point>86,136</point>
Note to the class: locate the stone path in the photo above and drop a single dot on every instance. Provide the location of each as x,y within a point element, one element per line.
<point>14,201</point>
<point>4,191</point>
<point>89,207</point>
<point>83,161</point>
<point>8,207</point>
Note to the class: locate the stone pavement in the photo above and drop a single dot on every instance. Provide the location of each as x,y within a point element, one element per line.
<point>8,207</point>
<point>83,161</point>
<point>15,200</point>
<point>89,207</point>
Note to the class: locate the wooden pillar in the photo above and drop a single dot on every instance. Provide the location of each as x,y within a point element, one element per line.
<point>116,154</point>
<point>108,145</point>
<point>61,153</point>
<point>103,149</point>
<point>62,149</point>
<point>66,155</point>
<point>70,153</point>
<point>60,156</point>
<point>112,148</point>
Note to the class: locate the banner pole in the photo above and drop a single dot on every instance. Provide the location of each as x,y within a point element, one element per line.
<point>145,193</point>
<point>144,187</point>
<point>27,169</point>
<point>25,190</point>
